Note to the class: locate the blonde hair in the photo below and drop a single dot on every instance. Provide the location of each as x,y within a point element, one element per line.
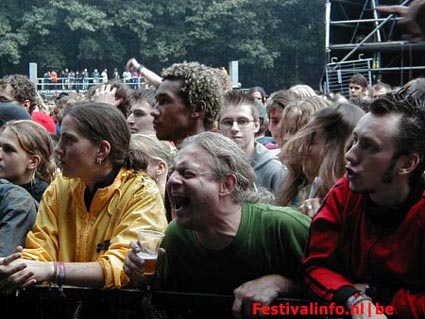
<point>303,111</point>
<point>337,124</point>
<point>303,91</point>
<point>146,148</point>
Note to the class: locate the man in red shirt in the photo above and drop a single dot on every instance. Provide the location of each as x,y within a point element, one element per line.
<point>366,245</point>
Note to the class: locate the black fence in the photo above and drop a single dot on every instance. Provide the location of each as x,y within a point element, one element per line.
<point>45,302</point>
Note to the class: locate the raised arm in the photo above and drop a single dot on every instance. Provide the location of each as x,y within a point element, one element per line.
<point>149,75</point>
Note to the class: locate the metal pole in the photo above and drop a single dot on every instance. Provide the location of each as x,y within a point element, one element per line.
<point>328,27</point>
<point>371,34</point>
<point>363,20</point>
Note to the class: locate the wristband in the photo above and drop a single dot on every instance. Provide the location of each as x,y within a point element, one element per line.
<point>60,274</point>
<point>356,299</point>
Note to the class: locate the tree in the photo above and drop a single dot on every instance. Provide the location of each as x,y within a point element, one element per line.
<point>277,43</point>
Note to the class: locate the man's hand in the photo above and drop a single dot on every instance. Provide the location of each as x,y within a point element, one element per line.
<point>133,264</point>
<point>15,273</point>
<point>106,94</point>
<point>409,15</point>
<point>263,290</point>
<point>310,206</point>
<point>132,64</point>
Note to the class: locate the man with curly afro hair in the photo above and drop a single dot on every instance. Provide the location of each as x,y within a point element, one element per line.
<point>188,101</point>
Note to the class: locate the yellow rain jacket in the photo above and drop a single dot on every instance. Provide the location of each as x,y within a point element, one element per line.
<point>65,231</point>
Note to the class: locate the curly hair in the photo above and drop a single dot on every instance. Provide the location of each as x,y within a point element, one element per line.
<point>23,89</point>
<point>200,88</point>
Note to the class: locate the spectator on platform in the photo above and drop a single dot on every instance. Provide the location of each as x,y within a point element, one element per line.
<point>104,76</point>
<point>85,77</point>
<point>220,243</point>
<point>97,184</point>
<point>95,77</point>
<point>53,80</point>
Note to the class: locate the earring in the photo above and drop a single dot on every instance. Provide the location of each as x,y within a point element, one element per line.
<point>99,160</point>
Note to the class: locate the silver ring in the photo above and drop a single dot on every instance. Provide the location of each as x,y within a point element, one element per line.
<point>309,206</point>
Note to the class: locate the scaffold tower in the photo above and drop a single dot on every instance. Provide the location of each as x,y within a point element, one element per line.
<point>361,40</point>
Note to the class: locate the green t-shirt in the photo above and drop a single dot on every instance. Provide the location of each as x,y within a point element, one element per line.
<point>270,240</point>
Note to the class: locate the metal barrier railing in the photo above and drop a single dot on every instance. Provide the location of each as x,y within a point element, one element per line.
<point>45,85</point>
<point>44,302</point>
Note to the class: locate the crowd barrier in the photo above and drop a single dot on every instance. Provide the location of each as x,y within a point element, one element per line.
<point>48,302</point>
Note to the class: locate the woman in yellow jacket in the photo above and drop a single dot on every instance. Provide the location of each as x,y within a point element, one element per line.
<point>91,211</point>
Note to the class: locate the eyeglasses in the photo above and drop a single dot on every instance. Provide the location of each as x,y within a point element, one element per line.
<point>242,122</point>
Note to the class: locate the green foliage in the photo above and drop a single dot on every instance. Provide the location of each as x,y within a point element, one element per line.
<point>277,43</point>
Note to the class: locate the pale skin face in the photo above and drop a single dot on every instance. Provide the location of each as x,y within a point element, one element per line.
<point>192,188</point>
<point>257,95</point>
<point>77,156</point>
<point>378,93</point>
<point>371,167</point>
<point>274,122</point>
<point>140,119</point>
<point>312,162</point>
<point>288,127</point>
<point>7,94</point>
<point>242,134</point>
<point>356,91</point>
<point>16,165</point>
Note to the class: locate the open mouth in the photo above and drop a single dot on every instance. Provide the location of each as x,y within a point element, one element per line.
<point>350,172</point>
<point>180,202</point>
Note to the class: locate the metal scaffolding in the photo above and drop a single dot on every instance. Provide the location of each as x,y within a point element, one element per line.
<point>360,40</point>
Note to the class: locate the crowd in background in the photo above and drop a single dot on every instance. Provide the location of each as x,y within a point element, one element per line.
<point>291,193</point>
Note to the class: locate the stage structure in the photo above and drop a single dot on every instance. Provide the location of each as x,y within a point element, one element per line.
<point>360,40</point>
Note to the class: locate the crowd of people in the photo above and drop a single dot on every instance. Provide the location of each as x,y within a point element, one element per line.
<point>295,193</point>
